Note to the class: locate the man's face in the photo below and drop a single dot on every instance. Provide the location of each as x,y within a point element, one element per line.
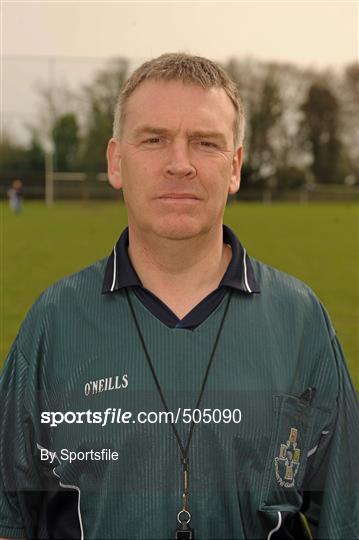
<point>176,161</point>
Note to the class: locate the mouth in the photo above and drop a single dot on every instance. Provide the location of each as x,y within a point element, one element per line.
<point>179,196</point>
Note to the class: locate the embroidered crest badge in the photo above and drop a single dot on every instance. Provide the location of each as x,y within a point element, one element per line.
<point>287,463</point>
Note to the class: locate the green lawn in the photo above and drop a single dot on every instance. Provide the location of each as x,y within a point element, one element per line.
<point>317,243</point>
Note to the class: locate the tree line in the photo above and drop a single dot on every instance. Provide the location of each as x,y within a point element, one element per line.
<point>302,125</point>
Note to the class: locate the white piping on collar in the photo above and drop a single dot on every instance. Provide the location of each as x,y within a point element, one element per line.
<point>245,270</point>
<point>114,269</point>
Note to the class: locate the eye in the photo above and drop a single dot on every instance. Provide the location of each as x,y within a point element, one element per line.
<point>208,144</point>
<point>152,140</point>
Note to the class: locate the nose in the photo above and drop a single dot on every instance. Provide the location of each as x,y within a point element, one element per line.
<point>179,163</point>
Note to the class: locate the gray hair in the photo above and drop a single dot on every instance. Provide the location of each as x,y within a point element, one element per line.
<point>188,69</point>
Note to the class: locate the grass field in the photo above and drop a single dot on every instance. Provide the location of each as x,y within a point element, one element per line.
<point>317,243</point>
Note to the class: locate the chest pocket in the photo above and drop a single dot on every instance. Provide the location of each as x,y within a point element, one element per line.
<point>287,454</point>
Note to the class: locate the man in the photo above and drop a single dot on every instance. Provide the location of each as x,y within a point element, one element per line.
<point>203,394</point>
<point>15,196</point>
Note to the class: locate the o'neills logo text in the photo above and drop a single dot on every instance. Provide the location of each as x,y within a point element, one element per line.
<point>104,385</point>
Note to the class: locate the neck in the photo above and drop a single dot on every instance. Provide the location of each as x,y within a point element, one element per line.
<point>179,272</point>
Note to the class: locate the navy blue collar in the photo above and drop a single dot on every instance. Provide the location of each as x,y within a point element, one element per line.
<point>239,275</point>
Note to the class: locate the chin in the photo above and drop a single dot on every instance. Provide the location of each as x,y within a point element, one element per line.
<point>178,230</point>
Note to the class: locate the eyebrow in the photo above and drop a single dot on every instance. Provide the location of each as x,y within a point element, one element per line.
<point>158,130</point>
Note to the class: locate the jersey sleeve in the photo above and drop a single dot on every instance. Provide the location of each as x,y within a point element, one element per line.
<point>13,453</point>
<point>332,485</point>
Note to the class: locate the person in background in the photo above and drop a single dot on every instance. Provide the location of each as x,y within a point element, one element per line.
<point>15,195</point>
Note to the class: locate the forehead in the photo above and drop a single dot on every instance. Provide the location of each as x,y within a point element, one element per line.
<point>174,103</point>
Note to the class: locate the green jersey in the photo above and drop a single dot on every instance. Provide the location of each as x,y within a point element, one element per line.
<point>87,452</point>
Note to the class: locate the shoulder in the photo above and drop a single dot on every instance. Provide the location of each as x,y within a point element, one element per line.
<point>83,286</point>
<point>68,299</point>
<point>87,280</point>
<point>290,296</point>
<point>268,276</point>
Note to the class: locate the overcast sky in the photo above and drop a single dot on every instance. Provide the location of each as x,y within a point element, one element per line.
<point>316,34</point>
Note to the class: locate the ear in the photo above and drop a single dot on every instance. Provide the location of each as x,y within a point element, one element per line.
<point>113,155</point>
<point>236,171</point>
